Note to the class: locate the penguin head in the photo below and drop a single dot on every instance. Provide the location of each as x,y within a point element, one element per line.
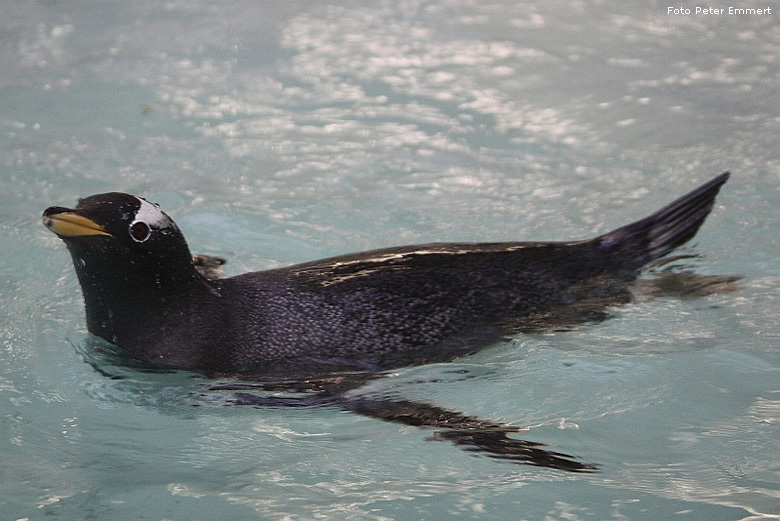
<point>123,237</point>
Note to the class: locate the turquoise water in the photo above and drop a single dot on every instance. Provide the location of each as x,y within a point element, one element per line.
<point>277,133</point>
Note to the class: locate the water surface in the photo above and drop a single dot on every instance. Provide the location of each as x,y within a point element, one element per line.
<point>278,133</point>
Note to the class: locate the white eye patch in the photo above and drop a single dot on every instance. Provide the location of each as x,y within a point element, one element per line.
<point>151,215</point>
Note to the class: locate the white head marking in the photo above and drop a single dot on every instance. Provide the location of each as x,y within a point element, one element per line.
<point>151,215</point>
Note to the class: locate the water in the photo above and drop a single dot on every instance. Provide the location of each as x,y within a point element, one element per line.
<point>277,133</point>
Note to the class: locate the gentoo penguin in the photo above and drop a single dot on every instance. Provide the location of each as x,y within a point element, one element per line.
<point>367,311</point>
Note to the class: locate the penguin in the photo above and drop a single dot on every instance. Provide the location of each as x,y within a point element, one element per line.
<point>363,312</point>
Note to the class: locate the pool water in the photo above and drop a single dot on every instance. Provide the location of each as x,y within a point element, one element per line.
<point>276,133</point>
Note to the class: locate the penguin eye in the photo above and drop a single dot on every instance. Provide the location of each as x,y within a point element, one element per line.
<point>140,231</point>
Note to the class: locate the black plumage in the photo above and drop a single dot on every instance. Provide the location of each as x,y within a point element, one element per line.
<point>368,311</point>
<point>320,330</point>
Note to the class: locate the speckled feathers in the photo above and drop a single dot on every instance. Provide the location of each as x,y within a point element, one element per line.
<point>367,311</point>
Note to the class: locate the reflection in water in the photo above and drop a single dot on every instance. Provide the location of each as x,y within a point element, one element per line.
<point>468,432</point>
<point>493,439</point>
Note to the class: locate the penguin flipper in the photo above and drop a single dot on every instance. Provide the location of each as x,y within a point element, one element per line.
<point>208,265</point>
<point>470,433</point>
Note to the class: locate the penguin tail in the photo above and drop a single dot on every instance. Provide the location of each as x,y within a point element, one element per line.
<point>668,228</point>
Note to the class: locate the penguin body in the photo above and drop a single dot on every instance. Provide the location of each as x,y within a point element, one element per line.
<point>369,311</point>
